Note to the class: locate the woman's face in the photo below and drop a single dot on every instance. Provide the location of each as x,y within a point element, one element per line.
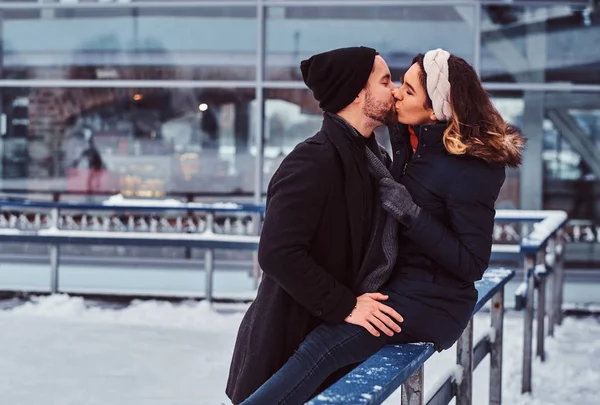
<point>411,99</point>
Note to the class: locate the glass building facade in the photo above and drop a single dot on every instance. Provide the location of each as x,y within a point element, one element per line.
<point>204,98</point>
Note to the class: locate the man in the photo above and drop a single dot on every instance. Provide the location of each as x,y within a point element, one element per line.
<point>321,206</point>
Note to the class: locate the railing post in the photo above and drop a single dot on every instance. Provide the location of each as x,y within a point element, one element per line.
<point>560,276</point>
<point>189,199</point>
<point>496,348</point>
<point>541,303</point>
<point>529,263</point>
<point>551,286</point>
<point>413,389</point>
<point>209,260</point>
<point>54,253</point>
<point>209,266</point>
<point>551,291</point>
<point>210,222</point>
<point>541,314</point>
<point>464,357</point>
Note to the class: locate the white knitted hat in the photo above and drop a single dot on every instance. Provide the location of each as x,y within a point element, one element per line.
<point>435,64</point>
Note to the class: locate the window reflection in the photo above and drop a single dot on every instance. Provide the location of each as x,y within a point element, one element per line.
<point>540,44</point>
<point>570,141</point>
<point>130,43</point>
<point>136,141</point>
<point>397,32</point>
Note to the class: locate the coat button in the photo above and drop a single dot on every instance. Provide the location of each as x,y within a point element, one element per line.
<point>397,152</point>
<point>318,312</point>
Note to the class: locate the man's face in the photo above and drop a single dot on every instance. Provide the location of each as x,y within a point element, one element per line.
<point>378,103</point>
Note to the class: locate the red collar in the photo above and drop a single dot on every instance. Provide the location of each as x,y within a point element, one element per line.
<point>414,140</point>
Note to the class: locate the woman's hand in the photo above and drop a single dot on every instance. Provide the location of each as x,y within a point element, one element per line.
<point>370,313</point>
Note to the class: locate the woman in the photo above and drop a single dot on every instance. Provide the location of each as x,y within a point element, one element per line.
<point>450,152</point>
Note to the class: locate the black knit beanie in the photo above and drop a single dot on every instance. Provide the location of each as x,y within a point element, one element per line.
<point>336,77</point>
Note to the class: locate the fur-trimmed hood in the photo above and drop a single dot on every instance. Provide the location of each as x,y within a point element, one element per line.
<point>507,149</point>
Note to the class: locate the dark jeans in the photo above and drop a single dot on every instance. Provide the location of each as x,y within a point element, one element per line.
<point>331,347</point>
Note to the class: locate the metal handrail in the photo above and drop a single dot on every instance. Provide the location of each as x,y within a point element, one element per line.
<point>526,215</point>
<point>191,206</point>
<point>208,240</point>
<point>402,365</point>
<point>542,253</point>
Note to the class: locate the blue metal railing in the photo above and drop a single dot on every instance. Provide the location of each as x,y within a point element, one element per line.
<point>542,254</point>
<point>191,207</point>
<point>50,231</point>
<point>373,381</point>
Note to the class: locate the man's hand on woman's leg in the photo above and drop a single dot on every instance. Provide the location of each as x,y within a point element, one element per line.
<point>370,313</point>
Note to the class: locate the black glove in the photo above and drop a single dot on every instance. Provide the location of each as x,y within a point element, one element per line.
<point>396,200</point>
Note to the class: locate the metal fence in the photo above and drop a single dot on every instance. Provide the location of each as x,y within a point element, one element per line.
<point>542,253</point>
<point>57,224</point>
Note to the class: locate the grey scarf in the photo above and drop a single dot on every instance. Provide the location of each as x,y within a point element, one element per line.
<point>376,278</point>
<point>379,261</point>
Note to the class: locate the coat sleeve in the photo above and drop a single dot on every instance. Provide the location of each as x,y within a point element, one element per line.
<point>297,195</point>
<point>463,248</point>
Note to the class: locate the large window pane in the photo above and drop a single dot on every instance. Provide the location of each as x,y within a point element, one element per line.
<point>140,142</point>
<point>201,43</point>
<point>540,44</point>
<point>565,128</point>
<point>398,33</point>
<point>572,154</point>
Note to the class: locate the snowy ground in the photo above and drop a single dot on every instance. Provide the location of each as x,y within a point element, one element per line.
<point>59,351</point>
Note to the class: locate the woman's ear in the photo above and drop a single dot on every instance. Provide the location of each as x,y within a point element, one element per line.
<point>432,116</point>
